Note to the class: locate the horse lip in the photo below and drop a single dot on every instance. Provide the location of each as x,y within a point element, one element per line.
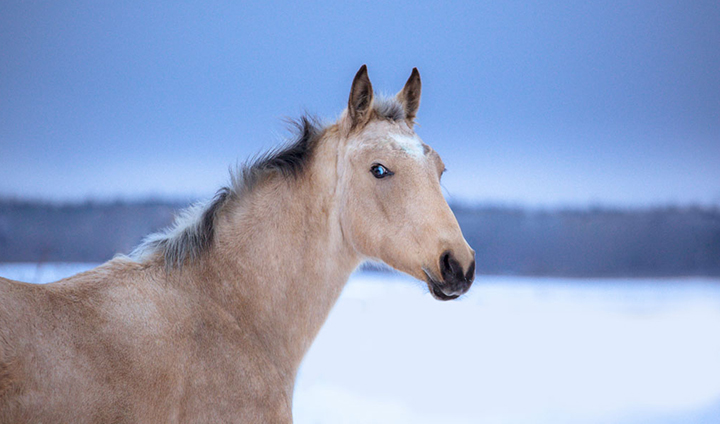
<point>438,294</point>
<point>435,288</point>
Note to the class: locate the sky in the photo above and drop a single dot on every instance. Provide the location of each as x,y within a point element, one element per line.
<point>528,103</point>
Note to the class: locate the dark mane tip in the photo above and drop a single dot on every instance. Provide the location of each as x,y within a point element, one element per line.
<point>292,159</point>
<point>289,160</point>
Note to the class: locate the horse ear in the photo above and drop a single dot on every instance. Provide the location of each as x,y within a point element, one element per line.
<point>409,96</point>
<point>361,97</point>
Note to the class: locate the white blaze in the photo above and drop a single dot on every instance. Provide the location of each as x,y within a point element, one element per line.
<point>412,145</point>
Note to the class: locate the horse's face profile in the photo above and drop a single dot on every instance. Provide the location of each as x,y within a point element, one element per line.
<point>393,208</point>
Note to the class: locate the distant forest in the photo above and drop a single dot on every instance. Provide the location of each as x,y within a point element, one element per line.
<point>581,243</point>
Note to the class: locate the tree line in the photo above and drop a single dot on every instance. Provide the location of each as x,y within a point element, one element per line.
<point>596,242</point>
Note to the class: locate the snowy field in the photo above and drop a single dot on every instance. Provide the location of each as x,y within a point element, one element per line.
<point>514,350</point>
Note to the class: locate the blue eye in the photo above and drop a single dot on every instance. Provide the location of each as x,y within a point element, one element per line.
<point>379,171</point>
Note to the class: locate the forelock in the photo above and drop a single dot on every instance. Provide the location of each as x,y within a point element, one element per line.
<point>387,107</point>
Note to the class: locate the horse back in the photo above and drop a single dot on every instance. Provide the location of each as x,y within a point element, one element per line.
<point>64,352</point>
<point>120,344</point>
<point>7,300</point>
<point>18,332</point>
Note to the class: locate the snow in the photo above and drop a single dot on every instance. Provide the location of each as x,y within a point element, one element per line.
<point>42,272</point>
<point>514,350</point>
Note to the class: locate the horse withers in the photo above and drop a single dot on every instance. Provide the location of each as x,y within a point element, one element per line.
<point>209,320</point>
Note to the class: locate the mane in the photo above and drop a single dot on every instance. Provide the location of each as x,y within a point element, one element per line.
<point>193,230</point>
<point>288,160</point>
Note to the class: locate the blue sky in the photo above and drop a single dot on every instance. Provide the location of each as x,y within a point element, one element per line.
<point>609,103</point>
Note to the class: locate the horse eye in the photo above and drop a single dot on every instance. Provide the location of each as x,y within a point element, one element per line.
<point>379,171</point>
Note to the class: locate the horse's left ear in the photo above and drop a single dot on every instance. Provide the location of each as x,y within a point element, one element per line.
<point>409,96</point>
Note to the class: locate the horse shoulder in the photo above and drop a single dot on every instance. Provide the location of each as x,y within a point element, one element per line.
<point>183,352</point>
<point>230,370</point>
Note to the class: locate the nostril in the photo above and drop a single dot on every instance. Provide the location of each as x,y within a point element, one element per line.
<point>446,266</point>
<point>450,268</point>
<point>446,262</point>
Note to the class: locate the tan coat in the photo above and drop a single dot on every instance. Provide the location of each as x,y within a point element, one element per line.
<point>209,322</point>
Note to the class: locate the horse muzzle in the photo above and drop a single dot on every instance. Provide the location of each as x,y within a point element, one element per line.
<point>455,281</point>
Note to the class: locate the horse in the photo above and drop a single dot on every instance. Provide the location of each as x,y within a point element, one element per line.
<point>209,320</point>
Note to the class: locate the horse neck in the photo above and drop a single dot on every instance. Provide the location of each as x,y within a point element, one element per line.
<point>281,261</point>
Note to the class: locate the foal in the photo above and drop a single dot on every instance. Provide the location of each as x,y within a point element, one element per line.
<point>209,321</point>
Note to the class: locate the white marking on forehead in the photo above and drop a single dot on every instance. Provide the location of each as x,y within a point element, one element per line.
<point>411,145</point>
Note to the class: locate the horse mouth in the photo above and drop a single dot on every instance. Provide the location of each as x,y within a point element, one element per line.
<point>439,295</point>
<point>436,290</point>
